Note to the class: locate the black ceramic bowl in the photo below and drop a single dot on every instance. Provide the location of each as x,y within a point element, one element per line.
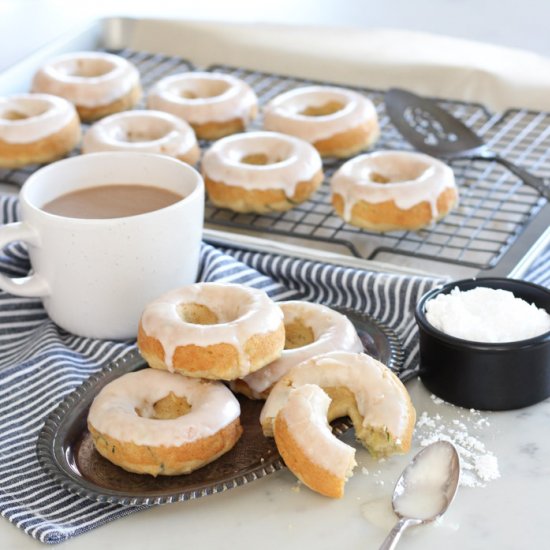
<point>482,375</point>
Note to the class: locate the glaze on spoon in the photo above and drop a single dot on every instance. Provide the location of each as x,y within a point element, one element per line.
<point>425,489</point>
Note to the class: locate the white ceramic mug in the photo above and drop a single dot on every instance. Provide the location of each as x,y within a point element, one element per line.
<point>96,275</point>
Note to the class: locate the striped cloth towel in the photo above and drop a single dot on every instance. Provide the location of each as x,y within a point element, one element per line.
<point>40,364</point>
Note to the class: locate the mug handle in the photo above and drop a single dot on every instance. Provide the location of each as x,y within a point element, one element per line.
<point>33,285</point>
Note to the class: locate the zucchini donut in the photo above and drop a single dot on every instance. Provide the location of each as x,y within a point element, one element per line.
<point>212,330</point>
<point>393,191</point>
<point>97,83</point>
<point>310,329</point>
<point>336,121</point>
<point>36,128</point>
<point>159,423</point>
<point>143,132</point>
<point>261,172</point>
<point>359,387</point>
<point>215,104</point>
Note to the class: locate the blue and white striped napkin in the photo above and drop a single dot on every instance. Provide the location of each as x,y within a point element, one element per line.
<point>40,364</point>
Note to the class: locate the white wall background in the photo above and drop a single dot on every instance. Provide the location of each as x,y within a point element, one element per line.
<point>26,25</point>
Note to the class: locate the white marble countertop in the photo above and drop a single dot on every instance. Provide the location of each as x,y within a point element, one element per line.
<point>508,513</point>
<point>276,512</point>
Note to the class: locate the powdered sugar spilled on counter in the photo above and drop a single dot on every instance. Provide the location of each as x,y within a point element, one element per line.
<point>478,464</point>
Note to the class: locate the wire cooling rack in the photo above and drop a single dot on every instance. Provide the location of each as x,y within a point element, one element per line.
<point>494,207</point>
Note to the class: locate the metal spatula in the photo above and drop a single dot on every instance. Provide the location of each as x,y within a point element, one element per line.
<point>434,131</point>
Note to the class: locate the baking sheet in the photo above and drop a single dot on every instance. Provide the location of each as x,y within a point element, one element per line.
<point>498,228</point>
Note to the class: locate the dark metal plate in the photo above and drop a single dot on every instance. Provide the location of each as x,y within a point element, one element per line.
<point>65,449</point>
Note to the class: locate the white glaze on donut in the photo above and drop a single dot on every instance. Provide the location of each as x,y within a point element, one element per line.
<point>142,131</point>
<point>331,331</point>
<point>413,178</point>
<point>283,113</point>
<point>241,312</point>
<point>215,97</point>
<point>305,414</point>
<point>382,401</point>
<point>293,160</point>
<point>87,79</point>
<point>113,411</point>
<point>27,118</point>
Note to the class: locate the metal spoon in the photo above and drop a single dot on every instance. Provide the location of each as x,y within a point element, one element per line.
<point>425,489</point>
<point>434,131</point>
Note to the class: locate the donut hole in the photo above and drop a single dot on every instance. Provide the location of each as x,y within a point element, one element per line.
<point>171,406</point>
<point>167,408</point>
<point>139,136</point>
<point>298,335</point>
<point>342,403</point>
<point>197,314</point>
<point>259,159</point>
<point>89,68</point>
<point>13,115</point>
<point>326,109</point>
<point>393,171</point>
<point>255,149</point>
<point>24,111</point>
<point>204,89</point>
<point>231,304</point>
<point>137,128</point>
<point>379,178</point>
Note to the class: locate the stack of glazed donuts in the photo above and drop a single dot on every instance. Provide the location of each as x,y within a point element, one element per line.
<point>256,171</point>
<point>305,359</point>
<point>177,416</point>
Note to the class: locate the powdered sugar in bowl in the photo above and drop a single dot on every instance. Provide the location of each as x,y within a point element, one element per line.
<point>484,349</point>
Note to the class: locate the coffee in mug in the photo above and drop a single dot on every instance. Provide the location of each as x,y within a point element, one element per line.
<point>95,273</point>
<point>111,201</point>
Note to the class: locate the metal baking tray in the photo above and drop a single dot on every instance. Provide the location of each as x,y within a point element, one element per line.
<point>498,228</point>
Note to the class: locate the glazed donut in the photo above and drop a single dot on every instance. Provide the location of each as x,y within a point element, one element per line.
<point>338,122</point>
<point>159,423</point>
<point>261,172</point>
<point>360,387</point>
<point>306,443</point>
<point>143,132</point>
<point>393,190</point>
<point>97,83</point>
<point>215,104</point>
<point>212,330</point>
<point>310,329</point>
<point>36,128</point>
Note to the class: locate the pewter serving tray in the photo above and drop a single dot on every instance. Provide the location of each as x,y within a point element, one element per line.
<point>497,230</point>
<point>65,449</point>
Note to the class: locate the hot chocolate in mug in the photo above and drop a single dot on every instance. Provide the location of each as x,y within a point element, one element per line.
<point>95,275</point>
